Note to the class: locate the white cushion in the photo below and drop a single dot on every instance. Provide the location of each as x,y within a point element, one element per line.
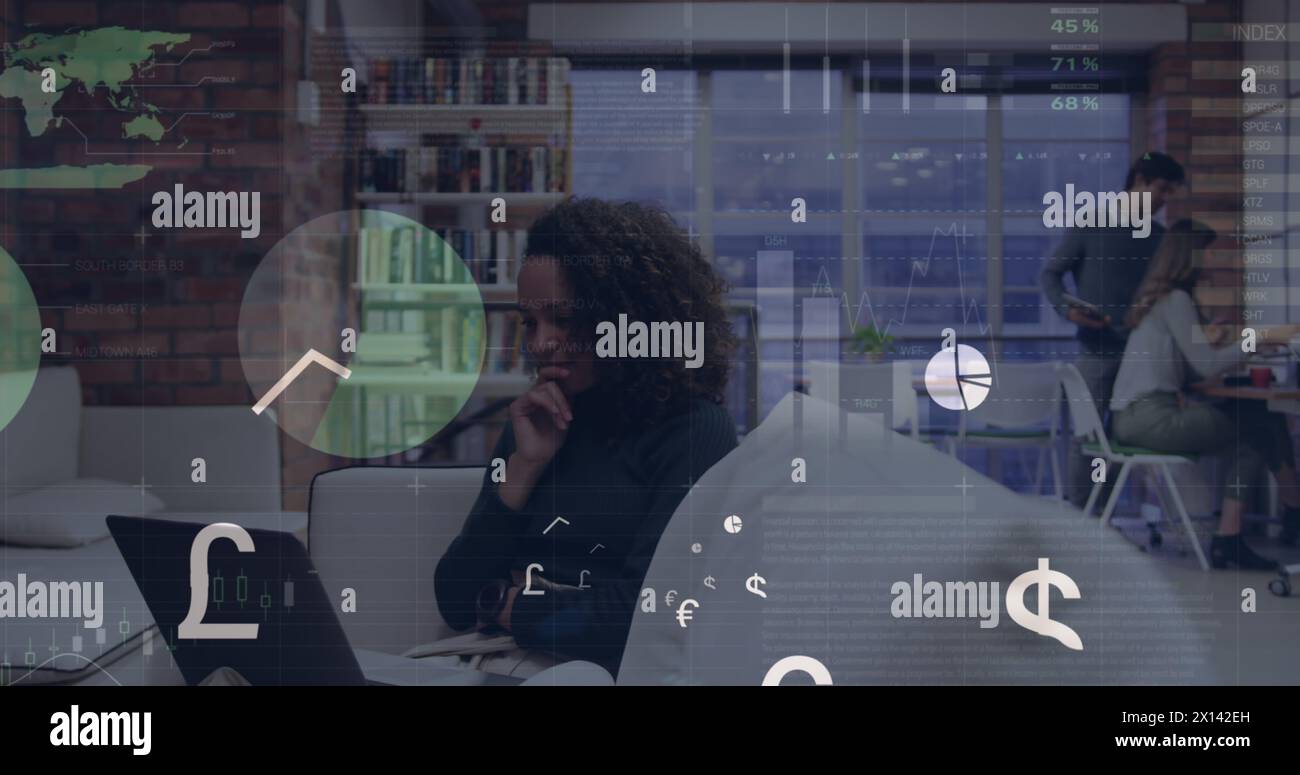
<point>70,513</point>
<point>240,449</point>
<point>39,447</point>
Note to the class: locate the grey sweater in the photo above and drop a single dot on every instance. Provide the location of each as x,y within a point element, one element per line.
<point>1165,344</point>
<point>1108,266</point>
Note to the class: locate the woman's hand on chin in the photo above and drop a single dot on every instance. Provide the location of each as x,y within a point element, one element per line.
<point>540,418</point>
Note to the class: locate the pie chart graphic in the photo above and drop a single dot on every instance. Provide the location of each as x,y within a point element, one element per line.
<point>20,338</point>
<point>958,378</point>
<point>362,334</point>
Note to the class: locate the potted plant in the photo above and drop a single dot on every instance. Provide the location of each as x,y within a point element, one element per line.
<point>872,342</point>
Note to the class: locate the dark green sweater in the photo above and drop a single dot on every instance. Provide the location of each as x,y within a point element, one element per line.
<point>619,493</point>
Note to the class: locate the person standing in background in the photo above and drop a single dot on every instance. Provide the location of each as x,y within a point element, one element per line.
<point>1107,265</point>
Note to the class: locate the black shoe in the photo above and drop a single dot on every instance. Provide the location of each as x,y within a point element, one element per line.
<point>1233,550</point>
<point>1290,526</point>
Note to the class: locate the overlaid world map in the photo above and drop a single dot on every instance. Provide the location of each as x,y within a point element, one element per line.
<point>94,60</point>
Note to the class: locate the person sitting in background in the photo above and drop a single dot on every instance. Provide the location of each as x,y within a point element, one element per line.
<point>1167,350</point>
<point>611,445</point>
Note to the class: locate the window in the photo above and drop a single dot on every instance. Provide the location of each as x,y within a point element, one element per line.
<point>900,223</point>
<point>627,147</point>
<point>1047,144</point>
<point>924,199</point>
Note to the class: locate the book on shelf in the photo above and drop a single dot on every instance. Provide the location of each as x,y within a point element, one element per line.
<point>439,338</point>
<point>465,81</point>
<point>415,338</point>
<point>433,168</point>
<point>394,348</point>
<point>506,336</point>
<point>406,255</point>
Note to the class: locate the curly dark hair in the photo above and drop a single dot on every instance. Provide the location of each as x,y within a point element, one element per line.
<point>632,258</point>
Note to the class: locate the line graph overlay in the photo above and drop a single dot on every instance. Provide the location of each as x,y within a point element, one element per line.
<point>308,358</point>
<point>969,306</point>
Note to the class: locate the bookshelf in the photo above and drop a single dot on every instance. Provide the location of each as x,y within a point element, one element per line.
<point>442,138</point>
<point>463,119</point>
<point>418,379</point>
<point>455,199</point>
<point>453,113</point>
<point>497,294</point>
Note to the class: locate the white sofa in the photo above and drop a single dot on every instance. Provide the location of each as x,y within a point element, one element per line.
<point>64,467</point>
<point>54,443</point>
<point>378,530</point>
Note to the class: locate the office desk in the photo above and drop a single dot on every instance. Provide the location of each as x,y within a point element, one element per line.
<point>1280,399</point>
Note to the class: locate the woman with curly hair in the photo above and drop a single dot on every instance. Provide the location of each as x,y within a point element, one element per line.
<point>1169,349</point>
<point>610,444</point>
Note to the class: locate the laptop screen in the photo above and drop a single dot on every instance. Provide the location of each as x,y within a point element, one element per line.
<point>262,612</point>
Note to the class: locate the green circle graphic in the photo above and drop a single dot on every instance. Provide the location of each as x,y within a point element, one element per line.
<point>20,338</point>
<point>380,296</point>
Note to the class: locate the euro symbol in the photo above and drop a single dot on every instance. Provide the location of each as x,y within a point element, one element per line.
<point>1041,622</point>
<point>684,614</point>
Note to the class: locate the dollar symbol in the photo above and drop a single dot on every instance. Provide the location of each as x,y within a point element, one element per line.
<point>1041,622</point>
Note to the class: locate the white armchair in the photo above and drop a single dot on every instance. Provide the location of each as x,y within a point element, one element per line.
<point>65,467</point>
<point>380,531</point>
<point>60,460</point>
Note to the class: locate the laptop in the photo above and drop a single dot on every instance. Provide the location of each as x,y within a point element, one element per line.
<point>299,639</point>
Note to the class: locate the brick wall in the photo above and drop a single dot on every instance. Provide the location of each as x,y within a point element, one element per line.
<point>312,186</point>
<point>150,318</point>
<point>1194,115</point>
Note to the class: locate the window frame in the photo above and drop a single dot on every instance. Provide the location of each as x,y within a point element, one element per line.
<point>703,218</point>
